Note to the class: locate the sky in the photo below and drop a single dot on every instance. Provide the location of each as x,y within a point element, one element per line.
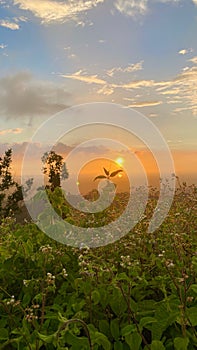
<point>141,54</point>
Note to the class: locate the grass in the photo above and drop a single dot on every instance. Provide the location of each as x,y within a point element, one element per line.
<point>137,293</point>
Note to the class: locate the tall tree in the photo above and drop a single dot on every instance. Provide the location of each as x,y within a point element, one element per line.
<point>55,168</point>
<point>10,190</point>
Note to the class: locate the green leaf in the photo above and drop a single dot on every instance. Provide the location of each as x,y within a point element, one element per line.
<point>47,338</point>
<point>192,314</point>
<point>146,320</point>
<point>101,339</point>
<point>76,342</point>
<point>114,328</point>
<point>117,303</point>
<point>181,343</point>
<point>157,345</point>
<point>133,340</point>
<point>62,318</point>
<point>194,263</point>
<point>4,334</point>
<point>118,345</point>
<point>122,277</point>
<point>26,299</point>
<point>194,288</point>
<point>130,328</point>
<point>96,296</point>
<point>104,327</point>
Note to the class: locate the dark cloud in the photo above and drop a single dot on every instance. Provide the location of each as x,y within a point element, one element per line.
<point>22,96</point>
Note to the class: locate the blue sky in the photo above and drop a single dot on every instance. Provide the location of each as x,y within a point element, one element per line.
<point>142,54</point>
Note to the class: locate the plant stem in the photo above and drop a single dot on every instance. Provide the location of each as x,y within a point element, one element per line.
<point>75,320</point>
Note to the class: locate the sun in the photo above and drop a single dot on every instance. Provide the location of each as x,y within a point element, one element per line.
<point>119,161</point>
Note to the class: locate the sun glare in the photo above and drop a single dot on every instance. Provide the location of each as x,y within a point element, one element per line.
<point>119,161</point>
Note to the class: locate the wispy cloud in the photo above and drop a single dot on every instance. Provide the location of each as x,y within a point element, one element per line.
<point>10,25</point>
<point>69,52</point>
<point>20,19</point>
<point>50,11</point>
<point>185,51</point>
<point>129,69</point>
<point>11,131</point>
<point>179,90</point>
<point>89,79</point>
<point>194,59</point>
<point>153,115</point>
<point>102,41</point>
<point>106,90</point>
<point>132,7</point>
<point>54,11</point>
<point>185,86</point>
<point>3,46</point>
<point>145,104</point>
<point>138,84</point>
<point>171,92</point>
<point>107,86</point>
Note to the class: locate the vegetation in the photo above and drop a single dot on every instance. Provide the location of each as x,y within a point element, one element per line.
<point>55,168</point>
<point>11,193</point>
<point>108,175</point>
<point>139,293</point>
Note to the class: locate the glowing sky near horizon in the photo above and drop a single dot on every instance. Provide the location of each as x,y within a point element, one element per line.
<point>138,53</point>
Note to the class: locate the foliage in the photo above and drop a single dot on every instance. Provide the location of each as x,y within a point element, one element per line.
<point>11,193</point>
<point>108,175</point>
<point>55,168</point>
<point>139,293</point>
<point>10,190</point>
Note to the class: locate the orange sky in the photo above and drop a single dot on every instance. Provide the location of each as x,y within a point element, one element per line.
<point>185,167</point>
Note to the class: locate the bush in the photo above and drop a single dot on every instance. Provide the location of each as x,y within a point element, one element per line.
<point>138,293</point>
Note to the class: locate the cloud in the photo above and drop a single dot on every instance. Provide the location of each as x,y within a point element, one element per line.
<point>153,115</point>
<point>129,69</point>
<point>145,104</point>
<point>11,131</point>
<point>89,79</point>
<point>9,25</point>
<point>107,87</point>
<point>106,90</point>
<point>182,52</point>
<point>194,59</point>
<point>55,11</point>
<point>51,11</point>
<point>185,51</point>
<point>171,92</point>
<point>2,46</point>
<point>69,52</point>
<point>185,85</point>
<point>102,41</point>
<point>22,96</point>
<point>132,7</point>
<point>21,19</point>
<point>181,89</point>
<point>138,84</point>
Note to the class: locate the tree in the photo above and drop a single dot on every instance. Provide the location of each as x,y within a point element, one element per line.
<point>55,168</point>
<point>11,193</point>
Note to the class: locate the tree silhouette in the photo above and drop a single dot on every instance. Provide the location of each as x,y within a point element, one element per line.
<point>55,168</point>
<point>11,193</point>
